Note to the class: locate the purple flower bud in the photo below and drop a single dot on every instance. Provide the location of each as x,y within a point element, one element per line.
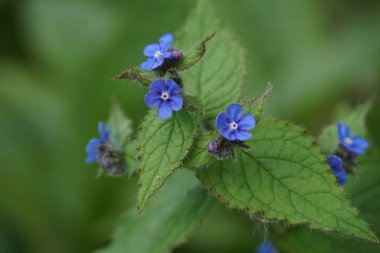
<point>113,162</point>
<point>213,147</point>
<point>177,55</point>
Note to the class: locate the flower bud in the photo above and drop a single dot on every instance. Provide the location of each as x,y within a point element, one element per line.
<point>113,162</point>
<point>213,147</point>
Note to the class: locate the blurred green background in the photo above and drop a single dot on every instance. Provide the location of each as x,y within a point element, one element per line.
<point>56,67</point>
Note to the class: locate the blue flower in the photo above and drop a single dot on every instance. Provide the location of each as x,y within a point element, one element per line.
<point>233,126</point>
<point>165,96</point>
<point>92,148</point>
<point>354,144</point>
<point>266,247</point>
<point>157,53</point>
<point>337,169</point>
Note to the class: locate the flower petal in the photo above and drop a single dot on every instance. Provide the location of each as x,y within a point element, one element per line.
<point>247,122</point>
<point>173,87</point>
<point>152,99</point>
<point>354,149</point>
<point>157,62</point>
<point>166,41</point>
<point>164,111</point>
<point>103,131</point>
<point>337,169</point>
<point>222,121</point>
<point>343,130</point>
<point>92,150</point>
<point>158,85</point>
<point>228,134</point>
<point>359,142</point>
<point>234,112</point>
<point>334,161</point>
<point>341,176</point>
<point>148,64</point>
<point>151,49</point>
<point>167,55</point>
<point>242,135</point>
<point>176,102</point>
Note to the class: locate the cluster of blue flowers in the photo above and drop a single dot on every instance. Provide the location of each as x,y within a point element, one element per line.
<point>166,95</point>
<point>349,148</point>
<point>106,152</point>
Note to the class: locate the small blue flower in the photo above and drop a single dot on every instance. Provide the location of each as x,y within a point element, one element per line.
<point>233,126</point>
<point>92,148</point>
<point>354,144</point>
<point>266,247</point>
<point>337,169</point>
<point>157,53</point>
<point>165,96</point>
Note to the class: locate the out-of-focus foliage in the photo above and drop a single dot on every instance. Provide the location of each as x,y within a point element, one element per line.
<point>57,62</point>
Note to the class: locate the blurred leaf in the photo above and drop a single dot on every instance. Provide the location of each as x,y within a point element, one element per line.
<point>365,192</point>
<point>194,55</point>
<point>120,124</point>
<point>217,80</point>
<point>354,118</point>
<point>131,159</point>
<point>167,222</point>
<point>162,145</point>
<point>285,177</point>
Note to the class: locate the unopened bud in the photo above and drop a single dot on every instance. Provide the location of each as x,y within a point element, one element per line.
<point>213,147</point>
<point>113,161</point>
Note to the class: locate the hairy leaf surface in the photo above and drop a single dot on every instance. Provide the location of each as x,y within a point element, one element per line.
<point>284,176</point>
<point>364,190</point>
<point>163,144</point>
<point>217,80</point>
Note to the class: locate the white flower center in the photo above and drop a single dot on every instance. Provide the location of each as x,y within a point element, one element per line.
<point>348,141</point>
<point>158,55</point>
<point>233,126</point>
<point>165,95</point>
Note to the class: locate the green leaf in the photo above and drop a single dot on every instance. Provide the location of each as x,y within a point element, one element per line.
<point>163,144</point>
<point>199,156</point>
<point>354,118</point>
<point>194,55</point>
<point>256,106</point>
<point>131,159</point>
<point>217,80</point>
<point>142,77</point>
<point>120,124</point>
<point>167,222</point>
<point>285,177</point>
<point>364,190</point>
